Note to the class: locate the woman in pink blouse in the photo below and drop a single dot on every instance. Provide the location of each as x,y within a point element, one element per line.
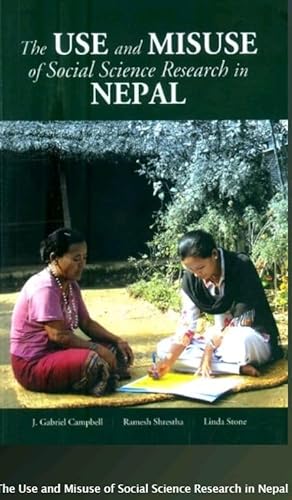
<point>46,354</point>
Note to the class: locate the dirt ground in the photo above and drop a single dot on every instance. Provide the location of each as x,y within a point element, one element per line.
<point>142,325</point>
<point>135,320</point>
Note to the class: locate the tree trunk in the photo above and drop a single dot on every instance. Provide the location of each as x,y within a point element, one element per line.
<point>64,194</point>
<point>277,159</point>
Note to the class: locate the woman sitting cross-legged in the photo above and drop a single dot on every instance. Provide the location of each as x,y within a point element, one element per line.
<point>46,354</point>
<point>225,285</point>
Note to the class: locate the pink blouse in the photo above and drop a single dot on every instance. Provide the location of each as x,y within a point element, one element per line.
<point>40,301</point>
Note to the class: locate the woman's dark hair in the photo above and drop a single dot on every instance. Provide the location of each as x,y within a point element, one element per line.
<point>58,242</point>
<point>196,244</point>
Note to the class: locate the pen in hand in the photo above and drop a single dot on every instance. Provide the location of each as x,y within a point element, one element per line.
<point>154,369</point>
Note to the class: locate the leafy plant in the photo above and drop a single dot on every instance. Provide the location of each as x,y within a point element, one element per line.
<point>227,177</point>
<point>281,296</point>
<point>157,291</point>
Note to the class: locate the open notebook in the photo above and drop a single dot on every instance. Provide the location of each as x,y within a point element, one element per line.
<point>181,384</point>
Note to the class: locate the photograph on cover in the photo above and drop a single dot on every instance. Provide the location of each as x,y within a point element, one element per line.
<point>177,234</point>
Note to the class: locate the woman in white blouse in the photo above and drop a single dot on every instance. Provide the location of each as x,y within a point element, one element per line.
<point>225,285</point>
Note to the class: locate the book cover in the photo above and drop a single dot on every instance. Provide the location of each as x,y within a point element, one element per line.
<point>120,119</point>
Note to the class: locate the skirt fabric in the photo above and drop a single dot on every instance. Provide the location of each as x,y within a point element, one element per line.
<point>68,370</point>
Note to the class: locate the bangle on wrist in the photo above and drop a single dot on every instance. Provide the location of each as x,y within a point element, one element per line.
<point>190,335</point>
<point>187,338</point>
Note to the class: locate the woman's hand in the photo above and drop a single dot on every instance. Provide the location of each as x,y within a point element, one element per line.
<point>125,349</point>
<point>160,369</point>
<point>107,355</point>
<point>205,368</point>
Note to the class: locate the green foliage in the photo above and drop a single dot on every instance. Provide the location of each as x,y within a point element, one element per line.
<point>271,244</point>
<point>218,186</point>
<point>227,177</point>
<point>281,297</point>
<point>157,291</point>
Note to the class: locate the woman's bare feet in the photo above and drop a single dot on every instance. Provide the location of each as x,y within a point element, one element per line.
<point>249,370</point>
